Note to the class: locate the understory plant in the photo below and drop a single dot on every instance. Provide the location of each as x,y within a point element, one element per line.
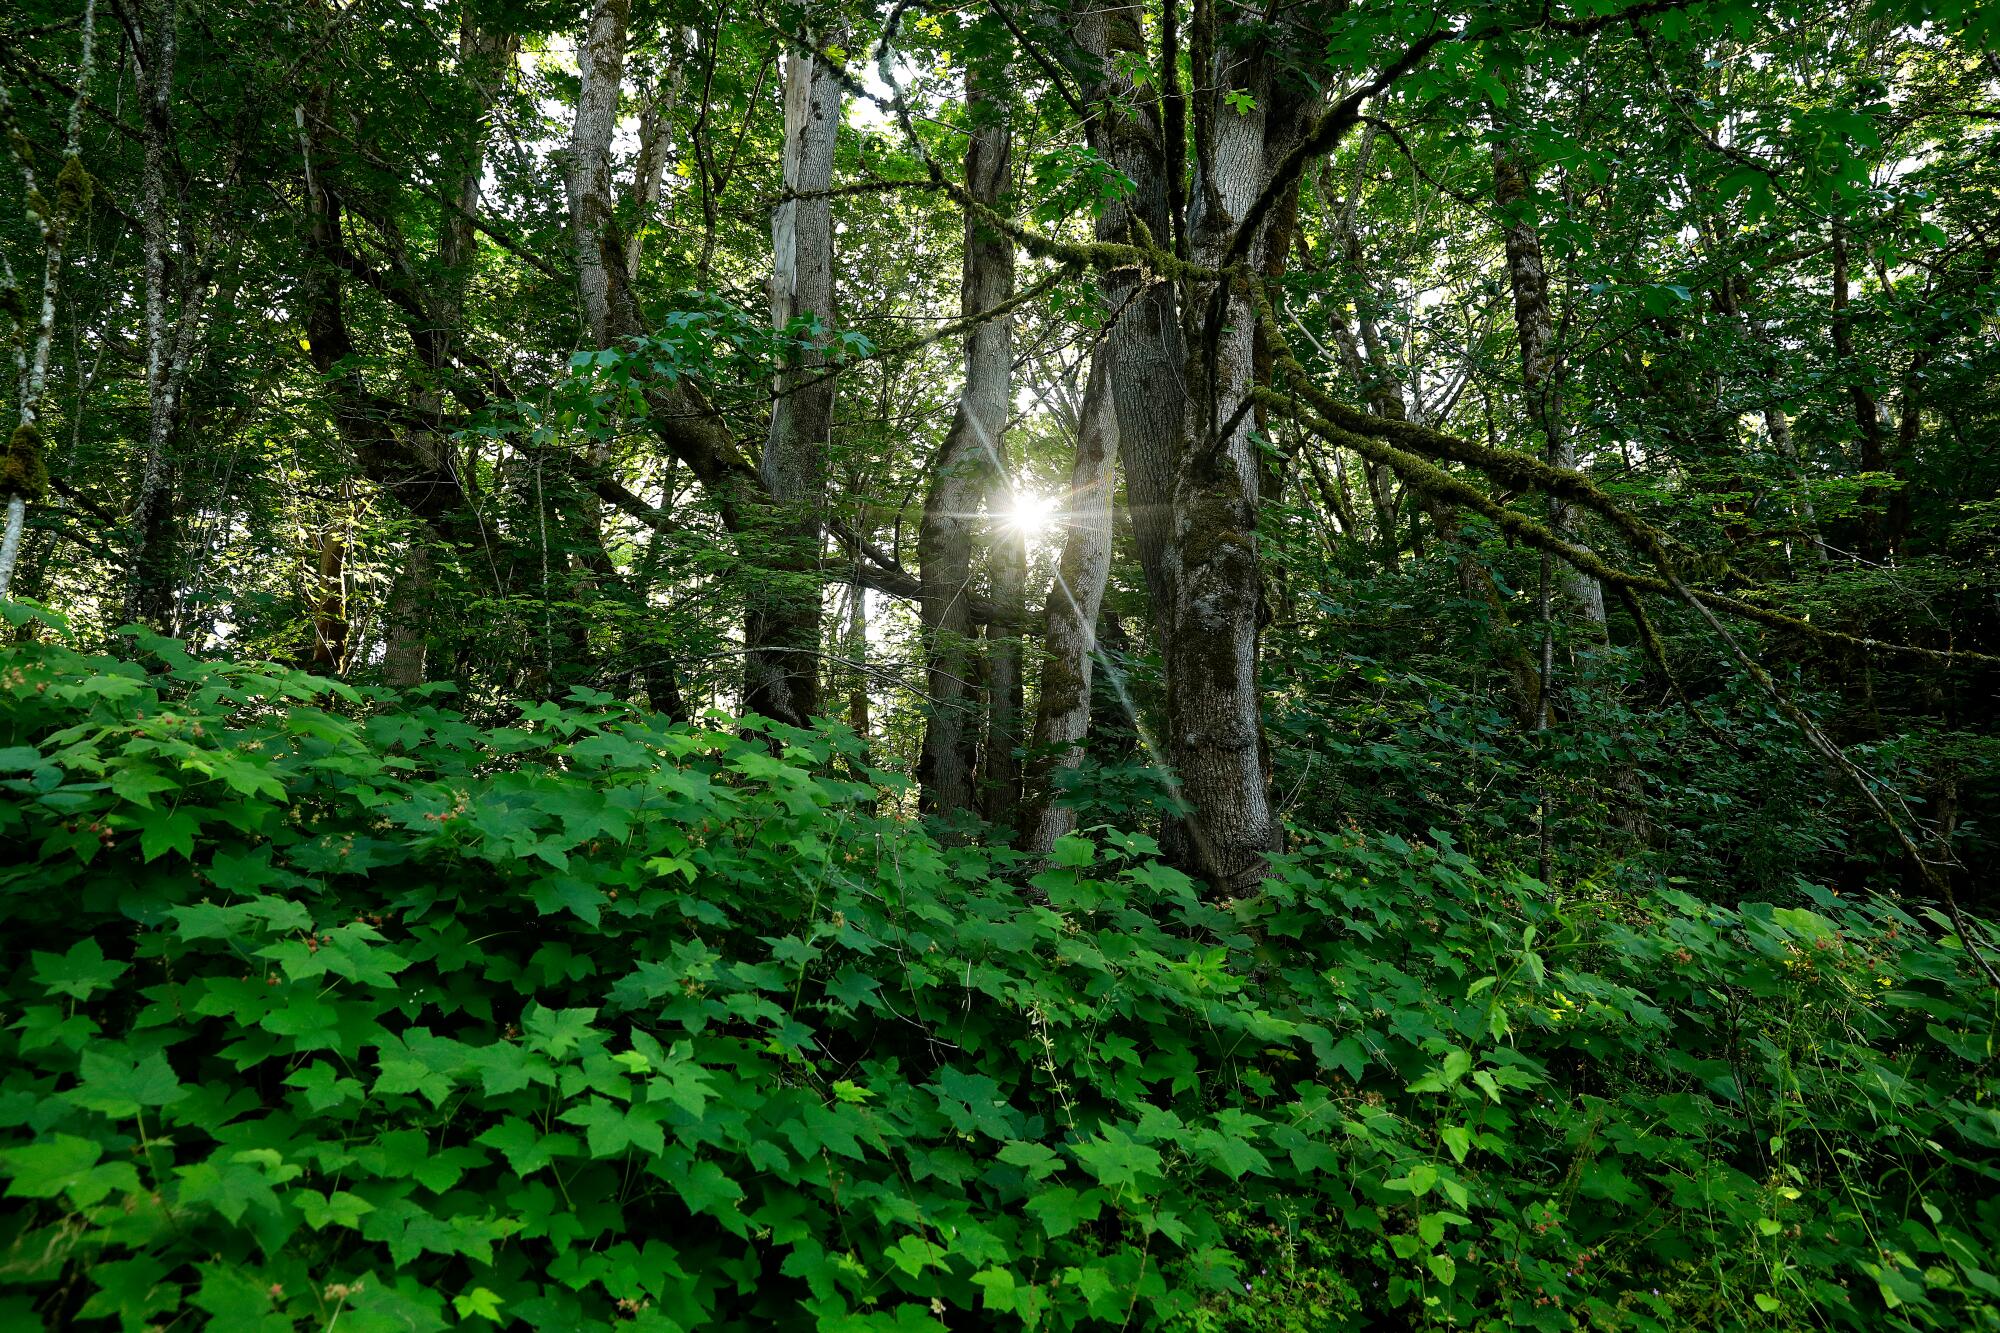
<point>337,1009</point>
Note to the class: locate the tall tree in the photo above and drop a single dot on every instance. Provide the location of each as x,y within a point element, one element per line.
<point>961,477</point>
<point>782,625</point>
<point>1069,637</point>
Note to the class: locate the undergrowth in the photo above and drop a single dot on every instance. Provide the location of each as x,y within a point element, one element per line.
<point>336,1010</point>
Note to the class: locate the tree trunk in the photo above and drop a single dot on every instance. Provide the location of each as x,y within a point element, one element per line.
<point>782,619</point>
<point>149,590</point>
<point>407,618</point>
<point>1214,701</point>
<point>1144,342</point>
<point>970,455</point>
<point>649,169</point>
<point>1007,569</point>
<point>1540,378</point>
<point>601,56</point>
<point>330,621</point>
<point>1070,644</point>
<point>857,656</point>
<point>1867,411</point>
<point>23,470</point>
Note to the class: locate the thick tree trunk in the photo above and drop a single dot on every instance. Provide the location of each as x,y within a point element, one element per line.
<point>601,56</point>
<point>1070,642</point>
<point>1144,344</point>
<point>1214,701</point>
<point>782,620</point>
<point>1535,329</point>
<point>971,454</point>
<point>407,618</point>
<point>330,621</point>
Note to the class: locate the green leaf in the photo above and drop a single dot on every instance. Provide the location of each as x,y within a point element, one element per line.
<point>526,1148</point>
<point>1034,1158</point>
<point>131,1289</point>
<point>46,1168</point>
<point>322,1085</point>
<point>138,785</point>
<point>1418,1182</point>
<point>1062,1210</point>
<point>913,1254</point>
<point>1072,852</point>
<point>479,1301</point>
<point>609,1130</point>
<point>163,831</point>
<point>1458,1139</point>
<point>237,1300</point>
<point>118,1086</point>
<point>1116,1159</point>
<point>998,1290</point>
<point>79,972</point>
<point>557,1032</point>
<point>339,1209</point>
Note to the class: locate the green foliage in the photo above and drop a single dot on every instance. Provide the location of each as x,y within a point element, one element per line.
<point>333,1004</point>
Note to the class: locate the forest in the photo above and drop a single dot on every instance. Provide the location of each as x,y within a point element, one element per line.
<point>850,665</point>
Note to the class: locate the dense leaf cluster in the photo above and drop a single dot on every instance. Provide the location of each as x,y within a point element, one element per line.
<point>337,1009</point>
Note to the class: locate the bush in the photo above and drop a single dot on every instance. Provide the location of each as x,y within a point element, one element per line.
<point>339,1010</point>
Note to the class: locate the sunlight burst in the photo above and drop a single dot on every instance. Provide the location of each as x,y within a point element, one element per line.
<point>1031,514</point>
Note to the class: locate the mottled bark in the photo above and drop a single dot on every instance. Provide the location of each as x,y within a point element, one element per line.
<point>406,619</point>
<point>1214,702</point>
<point>601,58</point>
<point>782,618</point>
<point>149,585</point>
<point>1145,343</point>
<point>959,483</point>
<point>1062,718</point>
<point>23,469</point>
<point>1534,329</point>
<point>327,653</point>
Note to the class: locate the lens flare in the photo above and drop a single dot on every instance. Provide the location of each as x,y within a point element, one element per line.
<point>1030,514</point>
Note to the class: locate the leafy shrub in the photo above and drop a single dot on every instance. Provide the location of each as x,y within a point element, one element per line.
<point>338,1010</point>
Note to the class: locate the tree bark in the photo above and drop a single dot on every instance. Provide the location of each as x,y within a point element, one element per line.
<point>149,590</point>
<point>1867,410</point>
<point>1540,373</point>
<point>1214,700</point>
<point>23,469</point>
<point>649,169</point>
<point>857,656</point>
<point>971,454</point>
<point>1145,344</point>
<point>601,57</point>
<point>1062,718</point>
<point>782,619</point>
<point>407,619</point>
<point>1007,571</point>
